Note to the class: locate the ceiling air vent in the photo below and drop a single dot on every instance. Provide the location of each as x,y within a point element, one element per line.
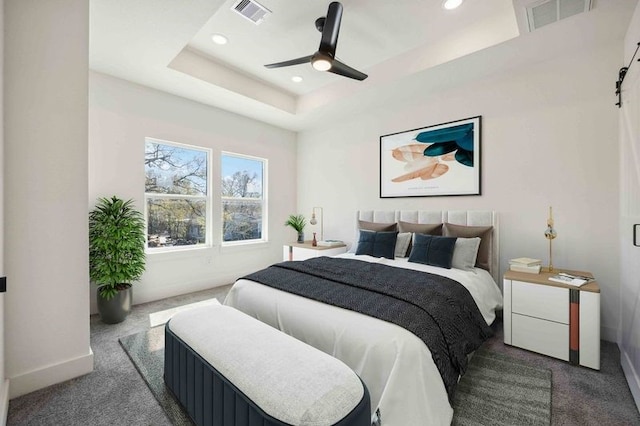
<point>252,10</point>
<point>533,14</point>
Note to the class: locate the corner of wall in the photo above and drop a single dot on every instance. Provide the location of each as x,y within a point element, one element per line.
<point>610,334</point>
<point>4,402</point>
<point>632,376</point>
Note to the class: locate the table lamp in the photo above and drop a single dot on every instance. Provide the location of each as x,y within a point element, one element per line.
<point>550,234</point>
<point>314,221</point>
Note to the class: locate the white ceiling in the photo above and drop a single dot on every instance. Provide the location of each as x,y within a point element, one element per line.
<point>372,32</point>
<point>166,44</point>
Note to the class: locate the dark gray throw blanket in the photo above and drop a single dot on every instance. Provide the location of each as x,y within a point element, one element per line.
<point>438,310</point>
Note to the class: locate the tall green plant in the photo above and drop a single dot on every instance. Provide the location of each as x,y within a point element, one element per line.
<point>297,222</point>
<point>116,245</point>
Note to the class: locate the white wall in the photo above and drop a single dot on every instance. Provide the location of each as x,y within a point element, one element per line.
<point>46,256</point>
<point>629,336</point>
<point>122,114</point>
<point>549,138</point>
<point>4,384</point>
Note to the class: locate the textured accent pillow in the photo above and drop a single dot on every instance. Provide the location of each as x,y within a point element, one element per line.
<point>465,253</point>
<point>483,260</point>
<point>377,244</point>
<point>432,250</point>
<point>402,244</point>
<point>374,226</point>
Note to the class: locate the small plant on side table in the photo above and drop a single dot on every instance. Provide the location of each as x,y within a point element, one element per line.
<point>297,222</point>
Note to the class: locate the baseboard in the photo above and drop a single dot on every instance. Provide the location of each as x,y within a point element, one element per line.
<point>145,295</point>
<point>50,375</point>
<point>151,295</point>
<point>4,402</point>
<point>632,376</point>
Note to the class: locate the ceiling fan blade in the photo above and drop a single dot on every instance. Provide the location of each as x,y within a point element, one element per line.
<point>345,70</point>
<point>297,61</point>
<point>329,39</point>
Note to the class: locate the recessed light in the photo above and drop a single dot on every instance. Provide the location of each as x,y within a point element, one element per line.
<point>219,39</point>
<point>451,4</point>
<point>296,79</point>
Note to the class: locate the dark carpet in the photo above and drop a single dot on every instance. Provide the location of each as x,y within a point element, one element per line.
<point>496,390</point>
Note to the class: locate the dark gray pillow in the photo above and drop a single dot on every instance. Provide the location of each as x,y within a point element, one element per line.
<point>432,250</point>
<point>377,244</point>
<point>483,260</point>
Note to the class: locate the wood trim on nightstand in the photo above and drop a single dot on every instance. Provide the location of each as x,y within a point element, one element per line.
<point>543,278</point>
<point>309,245</point>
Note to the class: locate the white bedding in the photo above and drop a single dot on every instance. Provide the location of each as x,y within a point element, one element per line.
<point>395,365</point>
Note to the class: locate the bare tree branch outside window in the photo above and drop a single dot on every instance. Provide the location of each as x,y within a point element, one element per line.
<point>176,191</point>
<point>242,198</point>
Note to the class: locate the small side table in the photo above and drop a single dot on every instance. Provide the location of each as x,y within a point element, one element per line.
<point>303,251</point>
<point>553,319</point>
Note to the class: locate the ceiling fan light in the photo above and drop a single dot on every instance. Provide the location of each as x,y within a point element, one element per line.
<point>451,4</point>
<point>321,64</point>
<point>219,39</point>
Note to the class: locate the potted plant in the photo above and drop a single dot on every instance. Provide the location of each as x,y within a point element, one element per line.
<point>297,222</point>
<point>116,255</point>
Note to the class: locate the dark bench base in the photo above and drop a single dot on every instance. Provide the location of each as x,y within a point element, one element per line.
<point>212,400</point>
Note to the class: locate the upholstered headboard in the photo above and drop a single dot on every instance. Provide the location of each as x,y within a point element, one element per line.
<point>456,217</point>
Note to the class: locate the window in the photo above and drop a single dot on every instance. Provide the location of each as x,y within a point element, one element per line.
<point>176,195</point>
<point>243,198</point>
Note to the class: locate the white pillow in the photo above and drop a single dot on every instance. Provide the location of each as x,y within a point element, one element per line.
<point>464,253</point>
<point>402,244</point>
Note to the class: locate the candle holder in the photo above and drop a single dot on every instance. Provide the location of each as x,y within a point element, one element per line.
<point>550,234</point>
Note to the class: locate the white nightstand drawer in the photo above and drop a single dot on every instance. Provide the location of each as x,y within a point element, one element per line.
<point>550,303</point>
<point>545,337</point>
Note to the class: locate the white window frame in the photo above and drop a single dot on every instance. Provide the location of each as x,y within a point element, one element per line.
<point>207,198</point>
<point>265,215</point>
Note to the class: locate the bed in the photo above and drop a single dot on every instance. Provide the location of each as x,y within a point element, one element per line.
<point>405,385</point>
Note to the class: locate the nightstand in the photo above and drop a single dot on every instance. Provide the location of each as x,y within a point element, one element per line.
<point>558,320</point>
<point>302,251</point>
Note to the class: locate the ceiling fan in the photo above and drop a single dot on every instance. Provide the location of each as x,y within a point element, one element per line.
<point>324,59</point>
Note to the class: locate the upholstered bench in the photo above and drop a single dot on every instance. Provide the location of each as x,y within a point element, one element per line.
<point>227,368</point>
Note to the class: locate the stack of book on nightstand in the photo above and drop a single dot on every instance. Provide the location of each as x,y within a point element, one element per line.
<point>525,264</point>
<point>571,279</point>
<point>330,243</point>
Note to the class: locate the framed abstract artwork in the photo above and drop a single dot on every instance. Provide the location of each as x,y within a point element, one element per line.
<point>432,161</point>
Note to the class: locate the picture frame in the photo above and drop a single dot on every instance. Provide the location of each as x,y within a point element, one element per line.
<point>438,160</point>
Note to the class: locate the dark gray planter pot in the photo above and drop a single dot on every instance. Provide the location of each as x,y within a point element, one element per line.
<point>301,237</point>
<point>117,308</point>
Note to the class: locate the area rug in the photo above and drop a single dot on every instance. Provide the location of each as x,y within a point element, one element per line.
<point>496,390</point>
<point>499,390</point>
